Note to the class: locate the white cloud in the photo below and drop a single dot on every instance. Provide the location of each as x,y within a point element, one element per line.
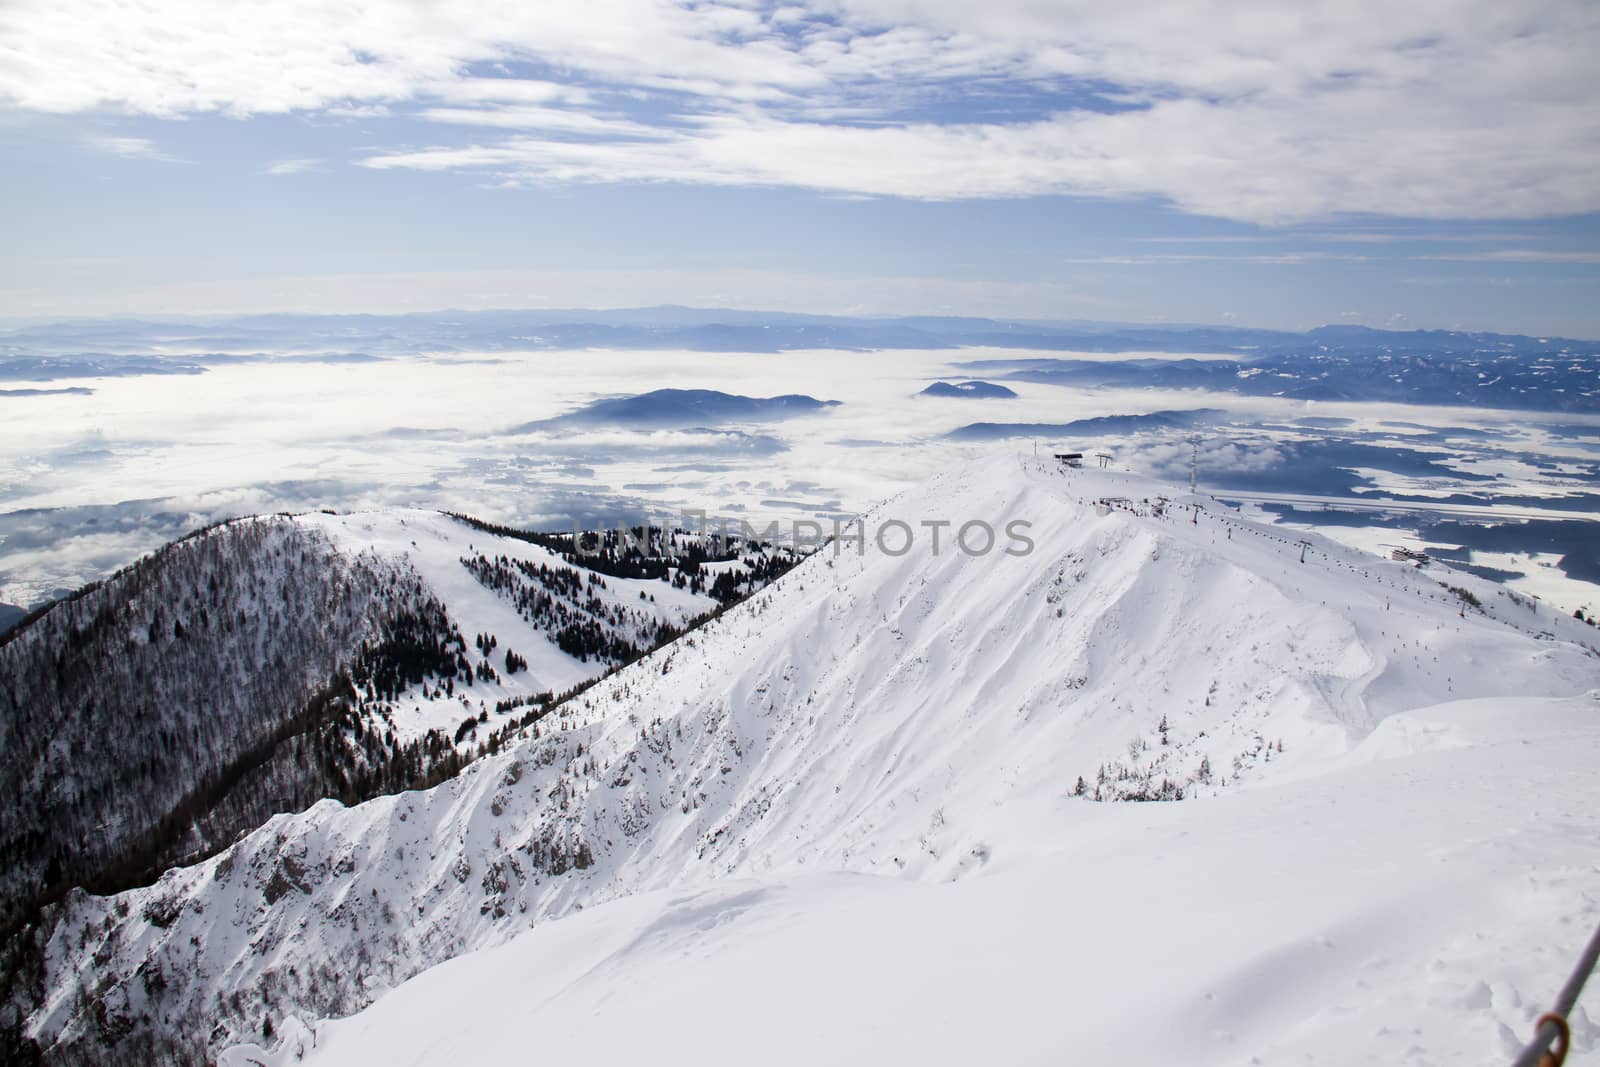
<point>1410,235</point>
<point>510,90</point>
<point>1519,255</point>
<point>532,117</point>
<point>1415,236</point>
<point>1244,109</point>
<point>130,148</point>
<point>1284,259</point>
<point>285,167</point>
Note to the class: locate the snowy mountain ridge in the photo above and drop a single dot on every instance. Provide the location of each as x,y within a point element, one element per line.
<point>1416,904</point>
<point>262,663</point>
<point>922,716</point>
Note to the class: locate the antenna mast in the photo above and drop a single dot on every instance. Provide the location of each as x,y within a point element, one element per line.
<point>1194,463</point>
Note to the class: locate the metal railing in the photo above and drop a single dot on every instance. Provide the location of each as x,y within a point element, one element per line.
<point>1551,1034</point>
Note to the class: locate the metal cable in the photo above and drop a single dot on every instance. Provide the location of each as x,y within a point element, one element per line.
<point>1553,1026</point>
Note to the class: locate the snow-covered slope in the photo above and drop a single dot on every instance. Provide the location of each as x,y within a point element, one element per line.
<point>924,716</point>
<point>261,664</point>
<point>1418,905</point>
<point>434,547</point>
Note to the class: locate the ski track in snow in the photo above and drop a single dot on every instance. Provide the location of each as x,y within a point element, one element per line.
<point>837,821</point>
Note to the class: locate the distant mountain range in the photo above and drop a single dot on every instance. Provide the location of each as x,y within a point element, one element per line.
<point>1104,425</point>
<point>662,408</point>
<point>1329,362</point>
<point>970,391</point>
<point>1565,381</point>
<point>718,330</point>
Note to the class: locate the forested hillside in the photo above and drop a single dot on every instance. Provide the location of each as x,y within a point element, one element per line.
<point>151,718</point>
<point>261,665</point>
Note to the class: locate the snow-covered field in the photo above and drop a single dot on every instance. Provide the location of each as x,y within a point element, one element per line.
<point>840,820</point>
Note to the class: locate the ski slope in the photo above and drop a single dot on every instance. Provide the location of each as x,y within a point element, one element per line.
<point>842,818</point>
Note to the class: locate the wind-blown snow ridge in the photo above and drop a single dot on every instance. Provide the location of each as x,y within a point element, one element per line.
<point>922,715</point>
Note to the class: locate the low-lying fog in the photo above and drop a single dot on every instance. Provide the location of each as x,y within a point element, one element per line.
<point>90,480</point>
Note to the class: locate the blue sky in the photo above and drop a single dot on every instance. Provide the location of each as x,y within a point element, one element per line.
<point>1163,161</point>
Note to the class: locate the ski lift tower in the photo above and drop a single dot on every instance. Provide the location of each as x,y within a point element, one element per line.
<point>1104,458</point>
<point>1194,462</point>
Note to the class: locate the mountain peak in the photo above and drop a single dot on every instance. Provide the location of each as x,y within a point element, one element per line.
<point>915,700</point>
